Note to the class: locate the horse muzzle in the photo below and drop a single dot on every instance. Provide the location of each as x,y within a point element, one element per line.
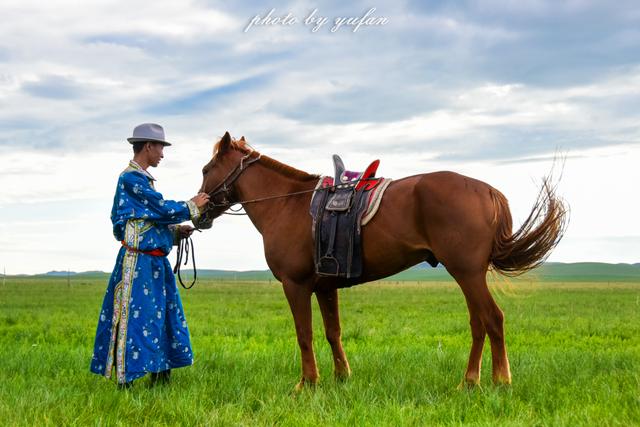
<point>203,223</point>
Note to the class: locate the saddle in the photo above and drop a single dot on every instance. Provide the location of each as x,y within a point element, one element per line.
<point>361,179</point>
<point>340,207</point>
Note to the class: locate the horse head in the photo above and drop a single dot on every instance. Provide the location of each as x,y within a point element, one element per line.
<point>230,158</point>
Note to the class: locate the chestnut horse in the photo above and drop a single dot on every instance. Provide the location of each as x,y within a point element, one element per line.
<point>465,223</point>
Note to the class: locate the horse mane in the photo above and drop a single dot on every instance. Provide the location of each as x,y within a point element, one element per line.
<point>273,164</point>
<point>287,170</point>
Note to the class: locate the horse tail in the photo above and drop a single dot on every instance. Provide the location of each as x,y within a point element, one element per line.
<point>516,253</point>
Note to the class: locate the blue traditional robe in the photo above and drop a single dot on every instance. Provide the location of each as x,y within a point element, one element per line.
<point>142,326</point>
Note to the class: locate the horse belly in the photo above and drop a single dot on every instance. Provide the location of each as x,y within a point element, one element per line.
<point>394,240</point>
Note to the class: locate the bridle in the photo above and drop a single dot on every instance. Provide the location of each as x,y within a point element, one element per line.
<point>186,245</point>
<point>224,188</point>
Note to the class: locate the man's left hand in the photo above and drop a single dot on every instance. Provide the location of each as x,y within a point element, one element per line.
<point>184,231</point>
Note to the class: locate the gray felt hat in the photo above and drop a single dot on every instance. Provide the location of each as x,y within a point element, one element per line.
<point>148,132</point>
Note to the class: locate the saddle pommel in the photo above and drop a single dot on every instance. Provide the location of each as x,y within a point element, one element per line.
<point>343,176</point>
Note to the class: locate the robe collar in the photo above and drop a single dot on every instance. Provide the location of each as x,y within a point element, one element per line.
<point>135,166</point>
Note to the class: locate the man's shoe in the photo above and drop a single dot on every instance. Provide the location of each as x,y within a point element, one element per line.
<point>160,377</point>
<point>124,386</point>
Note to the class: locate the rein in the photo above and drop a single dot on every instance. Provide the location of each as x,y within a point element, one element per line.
<point>262,199</point>
<point>183,250</point>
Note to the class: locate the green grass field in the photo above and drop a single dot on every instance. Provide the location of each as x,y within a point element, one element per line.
<point>574,351</point>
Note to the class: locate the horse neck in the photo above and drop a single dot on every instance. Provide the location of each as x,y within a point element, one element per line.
<point>268,178</point>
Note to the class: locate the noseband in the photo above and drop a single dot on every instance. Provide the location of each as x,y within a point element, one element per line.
<point>224,188</point>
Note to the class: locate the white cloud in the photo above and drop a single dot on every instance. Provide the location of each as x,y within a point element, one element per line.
<point>36,177</point>
<point>163,19</point>
<point>432,90</point>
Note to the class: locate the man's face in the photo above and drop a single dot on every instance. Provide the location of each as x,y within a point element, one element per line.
<point>155,154</point>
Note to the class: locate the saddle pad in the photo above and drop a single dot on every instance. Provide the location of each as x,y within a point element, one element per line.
<point>373,203</point>
<point>337,213</point>
<point>374,200</point>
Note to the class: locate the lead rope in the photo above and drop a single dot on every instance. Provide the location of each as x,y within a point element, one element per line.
<point>183,249</point>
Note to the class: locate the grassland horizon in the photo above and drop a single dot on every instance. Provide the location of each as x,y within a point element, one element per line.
<point>548,272</point>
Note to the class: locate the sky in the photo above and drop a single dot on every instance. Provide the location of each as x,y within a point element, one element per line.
<point>491,89</point>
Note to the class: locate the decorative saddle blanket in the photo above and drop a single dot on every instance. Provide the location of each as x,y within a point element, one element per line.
<point>340,206</point>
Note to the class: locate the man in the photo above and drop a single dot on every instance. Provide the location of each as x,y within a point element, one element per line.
<point>142,327</point>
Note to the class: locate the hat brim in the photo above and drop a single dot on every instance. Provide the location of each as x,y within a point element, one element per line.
<point>132,140</point>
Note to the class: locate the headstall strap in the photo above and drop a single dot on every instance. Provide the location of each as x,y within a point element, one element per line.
<point>224,186</point>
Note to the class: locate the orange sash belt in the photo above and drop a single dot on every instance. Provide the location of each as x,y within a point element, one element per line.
<point>155,252</point>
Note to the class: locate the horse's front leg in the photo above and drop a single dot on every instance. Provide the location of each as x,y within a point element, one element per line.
<point>299,297</point>
<point>328,302</point>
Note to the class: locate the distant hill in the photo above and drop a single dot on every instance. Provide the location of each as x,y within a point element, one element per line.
<point>83,274</point>
<point>250,275</point>
<point>588,271</point>
<point>72,273</point>
<point>236,275</point>
<point>551,271</point>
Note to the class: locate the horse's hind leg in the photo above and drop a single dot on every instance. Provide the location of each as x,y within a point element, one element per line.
<point>299,297</point>
<point>328,302</point>
<point>478,334</point>
<point>485,315</point>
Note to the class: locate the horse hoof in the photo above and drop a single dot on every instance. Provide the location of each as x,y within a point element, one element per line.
<point>502,381</point>
<point>304,385</point>
<point>470,384</point>
<point>342,376</point>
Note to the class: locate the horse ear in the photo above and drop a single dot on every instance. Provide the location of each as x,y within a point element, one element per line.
<point>242,138</point>
<point>225,143</point>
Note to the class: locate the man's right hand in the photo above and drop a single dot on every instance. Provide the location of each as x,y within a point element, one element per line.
<point>201,200</point>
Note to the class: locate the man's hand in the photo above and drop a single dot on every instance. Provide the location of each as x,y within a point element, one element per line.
<point>201,200</point>
<point>184,231</point>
